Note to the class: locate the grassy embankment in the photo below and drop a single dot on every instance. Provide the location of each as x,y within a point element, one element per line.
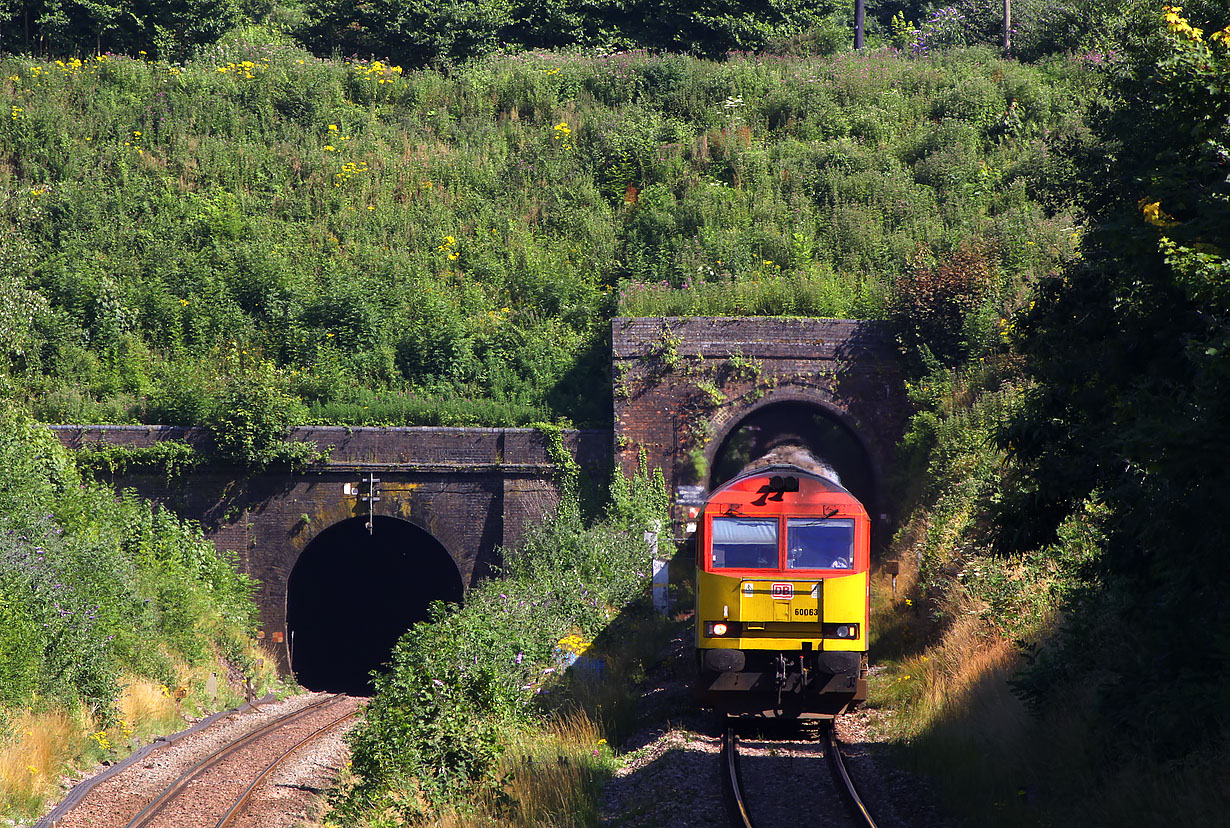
<point>959,638</point>
<point>1057,652</point>
<point>112,618</point>
<point>313,240</point>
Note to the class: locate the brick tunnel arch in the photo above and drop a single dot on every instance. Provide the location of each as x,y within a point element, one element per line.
<point>802,419</point>
<point>352,594</point>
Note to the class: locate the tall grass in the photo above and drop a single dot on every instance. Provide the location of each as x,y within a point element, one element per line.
<point>550,778</point>
<point>106,607</point>
<point>956,636</point>
<point>35,747</point>
<point>38,746</point>
<point>464,236</point>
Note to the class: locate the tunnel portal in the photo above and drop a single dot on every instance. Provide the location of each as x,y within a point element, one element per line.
<point>352,594</point>
<point>801,424</point>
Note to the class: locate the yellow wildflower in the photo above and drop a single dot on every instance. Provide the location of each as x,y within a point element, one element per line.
<point>1154,214</point>
<point>1179,26</point>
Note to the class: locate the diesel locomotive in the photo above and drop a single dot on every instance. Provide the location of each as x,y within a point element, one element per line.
<point>782,599</point>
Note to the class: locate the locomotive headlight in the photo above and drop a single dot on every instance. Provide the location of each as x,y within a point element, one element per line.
<point>846,631</point>
<point>716,629</point>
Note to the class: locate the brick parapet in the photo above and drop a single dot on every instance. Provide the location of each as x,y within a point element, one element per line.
<point>486,448</point>
<point>637,338</point>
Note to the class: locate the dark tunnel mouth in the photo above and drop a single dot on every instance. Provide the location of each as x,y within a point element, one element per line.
<point>799,423</point>
<point>352,594</point>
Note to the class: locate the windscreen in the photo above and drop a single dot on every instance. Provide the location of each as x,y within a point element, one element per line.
<point>744,543</point>
<point>819,544</point>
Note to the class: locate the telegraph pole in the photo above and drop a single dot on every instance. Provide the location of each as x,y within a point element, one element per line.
<point>1007,25</point>
<point>858,23</point>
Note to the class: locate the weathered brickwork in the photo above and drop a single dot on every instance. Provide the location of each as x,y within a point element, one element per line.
<point>474,490</point>
<point>681,385</point>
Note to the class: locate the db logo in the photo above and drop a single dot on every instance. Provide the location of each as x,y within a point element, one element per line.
<point>785,591</point>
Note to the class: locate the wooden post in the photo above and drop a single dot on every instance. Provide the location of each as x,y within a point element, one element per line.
<point>1007,25</point>
<point>859,15</point>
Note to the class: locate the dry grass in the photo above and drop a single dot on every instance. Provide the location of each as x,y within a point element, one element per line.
<point>146,707</point>
<point>35,748</point>
<point>947,685</point>
<point>551,779</point>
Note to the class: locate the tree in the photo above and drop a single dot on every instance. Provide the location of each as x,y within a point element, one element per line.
<point>1130,354</point>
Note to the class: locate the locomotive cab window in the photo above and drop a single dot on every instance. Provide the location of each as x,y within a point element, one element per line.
<point>819,544</point>
<point>744,543</point>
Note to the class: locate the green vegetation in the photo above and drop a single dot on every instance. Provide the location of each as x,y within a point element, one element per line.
<point>235,232</point>
<point>460,690</point>
<point>1058,646</point>
<point>1130,397</point>
<point>98,598</point>
<point>257,238</point>
<point>171,458</point>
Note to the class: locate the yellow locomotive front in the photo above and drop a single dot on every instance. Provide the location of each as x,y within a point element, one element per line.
<point>782,594</point>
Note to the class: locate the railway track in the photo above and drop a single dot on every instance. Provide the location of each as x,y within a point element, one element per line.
<point>226,768</point>
<point>213,792</point>
<point>740,807</point>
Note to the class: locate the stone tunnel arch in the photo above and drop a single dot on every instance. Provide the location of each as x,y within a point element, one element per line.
<point>801,418</point>
<point>352,594</point>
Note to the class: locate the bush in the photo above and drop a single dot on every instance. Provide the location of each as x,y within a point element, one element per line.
<point>254,412</point>
<point>935,306</point>
<point>434,729</point>
<point>91,587</point>
<point>168,30</point>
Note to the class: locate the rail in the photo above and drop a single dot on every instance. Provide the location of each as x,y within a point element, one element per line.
<point>833,751</point>
<point>237,808</point>
<point>150,811</point>
<point>841,777</point>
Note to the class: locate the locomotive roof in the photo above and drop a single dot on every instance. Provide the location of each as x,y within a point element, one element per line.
<point>774,469</point>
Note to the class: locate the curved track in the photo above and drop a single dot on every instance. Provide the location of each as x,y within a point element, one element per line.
<point>212,793</point>
<point>740,815</point>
